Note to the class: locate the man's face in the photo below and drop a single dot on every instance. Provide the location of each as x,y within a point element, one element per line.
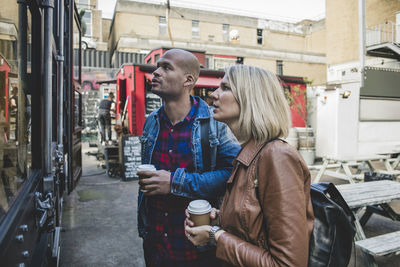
<point>169,77</point>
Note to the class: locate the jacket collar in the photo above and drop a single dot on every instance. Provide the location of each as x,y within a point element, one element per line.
<point>204,111</point>
<point>249,152</point>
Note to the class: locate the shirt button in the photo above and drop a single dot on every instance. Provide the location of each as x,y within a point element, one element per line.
<point>170,151</point>
<point>166,214</point>
<point>165,234</point>
<point>172,130</point>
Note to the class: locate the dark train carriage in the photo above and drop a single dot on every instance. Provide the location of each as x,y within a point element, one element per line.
<point>40,126</point>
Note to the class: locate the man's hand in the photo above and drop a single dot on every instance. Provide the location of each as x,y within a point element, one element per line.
<point>157,183</point>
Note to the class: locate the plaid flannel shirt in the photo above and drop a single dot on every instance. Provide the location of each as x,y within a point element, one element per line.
<point>167,244</point>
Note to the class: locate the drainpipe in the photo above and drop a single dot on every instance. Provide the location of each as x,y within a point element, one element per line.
<point>60,63</point>
<point>361,34</point>
<point>48,6</point>
<point>397,29</point>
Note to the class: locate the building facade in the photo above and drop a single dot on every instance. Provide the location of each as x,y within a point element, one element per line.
<point>358,113</point>
<point>285,48</point>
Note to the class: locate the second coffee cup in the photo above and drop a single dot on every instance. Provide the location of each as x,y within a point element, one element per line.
<point>199,211</point>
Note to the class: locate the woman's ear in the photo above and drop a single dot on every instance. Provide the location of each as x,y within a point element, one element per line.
<point>190,80</point>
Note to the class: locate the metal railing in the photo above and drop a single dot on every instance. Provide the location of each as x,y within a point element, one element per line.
<point>387,32</point>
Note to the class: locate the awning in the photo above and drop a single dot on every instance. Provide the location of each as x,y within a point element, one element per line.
<point>208,82</point>
<point>205,81</point>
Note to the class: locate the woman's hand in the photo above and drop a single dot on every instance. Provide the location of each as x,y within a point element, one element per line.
<point>213,215</point>
<point>199,235</point>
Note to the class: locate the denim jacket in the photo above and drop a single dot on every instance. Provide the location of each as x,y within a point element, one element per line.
<point>205,185</point>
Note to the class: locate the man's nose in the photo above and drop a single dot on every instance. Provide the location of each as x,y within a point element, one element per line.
<point>155,73</point>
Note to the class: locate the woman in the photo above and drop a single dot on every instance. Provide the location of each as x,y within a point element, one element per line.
<point>266,217</point>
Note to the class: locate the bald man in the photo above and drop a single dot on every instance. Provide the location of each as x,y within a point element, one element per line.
<point>172,142</point>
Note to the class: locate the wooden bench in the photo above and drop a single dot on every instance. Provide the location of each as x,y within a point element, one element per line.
<point>381,245</point>
<point>378,193</point>
<point>345,163</point>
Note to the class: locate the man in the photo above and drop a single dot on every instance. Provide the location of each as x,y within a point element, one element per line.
<point>105,107</point>
<point>172,142</point>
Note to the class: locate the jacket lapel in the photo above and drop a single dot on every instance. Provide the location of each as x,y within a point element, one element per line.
<point>246,156</point>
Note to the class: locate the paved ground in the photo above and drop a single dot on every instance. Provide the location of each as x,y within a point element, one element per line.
<point>99,222</point>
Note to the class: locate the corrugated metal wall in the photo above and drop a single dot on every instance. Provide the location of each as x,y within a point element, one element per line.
<point>120,58</point>
<point>101,59</point>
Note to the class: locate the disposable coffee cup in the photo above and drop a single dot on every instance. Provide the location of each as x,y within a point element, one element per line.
<point>199,211</point>
<point>145,167</point>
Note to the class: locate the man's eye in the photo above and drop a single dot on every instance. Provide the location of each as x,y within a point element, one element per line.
<point>225,88</point>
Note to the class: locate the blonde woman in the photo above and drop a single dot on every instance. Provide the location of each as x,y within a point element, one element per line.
<point>266,217</point>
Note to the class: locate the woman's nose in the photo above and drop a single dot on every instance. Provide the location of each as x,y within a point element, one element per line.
<point>214,95</point>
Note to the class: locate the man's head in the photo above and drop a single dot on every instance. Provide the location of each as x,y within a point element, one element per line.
<point>176,74</point>
<point>111,95</point>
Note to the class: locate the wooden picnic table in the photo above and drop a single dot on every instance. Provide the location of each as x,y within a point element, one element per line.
<point>343,165</point>
<point>378,194</point>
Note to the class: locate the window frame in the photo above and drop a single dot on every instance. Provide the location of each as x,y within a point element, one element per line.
<point>162,26</point>
<point>195,29</point>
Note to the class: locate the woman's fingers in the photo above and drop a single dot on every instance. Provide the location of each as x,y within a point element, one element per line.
<point>187,220</point>
<point>214,213</point>
<point>198,235</point>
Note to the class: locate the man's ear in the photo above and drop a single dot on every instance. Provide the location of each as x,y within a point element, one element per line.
<point>190,80</point>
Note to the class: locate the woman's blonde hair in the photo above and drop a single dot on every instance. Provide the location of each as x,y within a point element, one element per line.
<point>264,111</point>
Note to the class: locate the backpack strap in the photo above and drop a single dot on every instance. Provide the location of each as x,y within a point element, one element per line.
<point>205,144</point>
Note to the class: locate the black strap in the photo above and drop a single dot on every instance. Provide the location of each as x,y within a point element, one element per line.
<point>205,144</point>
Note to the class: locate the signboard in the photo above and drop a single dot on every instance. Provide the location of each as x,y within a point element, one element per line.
<point>130,156</point>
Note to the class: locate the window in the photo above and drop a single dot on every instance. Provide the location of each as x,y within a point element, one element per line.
<point>162,25</point>
<point>279,67</point>
<point>83,3</point>
<point>15,100</point>
<point>87,20</point>
<point>195,29</point>
<point>225,32</point>
<point>156,58</point>
<point>259,36</point>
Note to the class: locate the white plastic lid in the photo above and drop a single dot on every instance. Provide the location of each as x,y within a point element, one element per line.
<point>199,207</point>
<point>146,167</point>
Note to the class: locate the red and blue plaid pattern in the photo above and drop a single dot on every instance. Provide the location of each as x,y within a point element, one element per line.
<point>166,244</point>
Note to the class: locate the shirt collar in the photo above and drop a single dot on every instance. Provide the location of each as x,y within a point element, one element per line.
<point>189,117</point>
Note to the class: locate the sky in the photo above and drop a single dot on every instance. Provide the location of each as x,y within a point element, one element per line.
<point>284,10</point>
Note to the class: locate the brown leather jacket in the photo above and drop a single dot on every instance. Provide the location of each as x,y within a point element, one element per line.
<point>267,209</point>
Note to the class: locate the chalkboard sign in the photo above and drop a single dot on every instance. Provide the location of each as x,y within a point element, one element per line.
<point>130,155</point>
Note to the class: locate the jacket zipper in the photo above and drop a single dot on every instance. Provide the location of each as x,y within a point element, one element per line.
<point>241,206</point>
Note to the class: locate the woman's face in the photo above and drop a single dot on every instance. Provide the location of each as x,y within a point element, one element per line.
<point>226,108</point>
